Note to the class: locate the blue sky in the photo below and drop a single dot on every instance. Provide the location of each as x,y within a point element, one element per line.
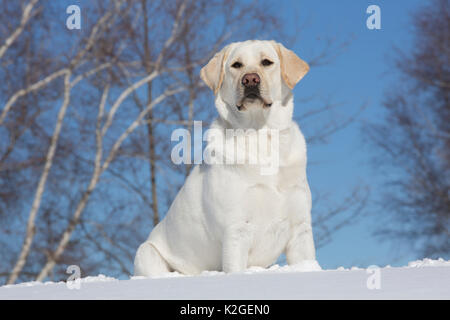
<point>361,73</point>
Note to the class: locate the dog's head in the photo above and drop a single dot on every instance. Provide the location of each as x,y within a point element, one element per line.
<point>250,79</point>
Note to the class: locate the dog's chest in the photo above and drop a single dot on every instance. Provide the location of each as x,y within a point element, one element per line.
<point>269,241</point>
<point>269,224</point>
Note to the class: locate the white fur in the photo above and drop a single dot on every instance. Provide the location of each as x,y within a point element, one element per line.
<point>230,217</point>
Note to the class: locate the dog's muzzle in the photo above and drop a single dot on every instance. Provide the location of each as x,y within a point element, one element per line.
<point>251,83</point>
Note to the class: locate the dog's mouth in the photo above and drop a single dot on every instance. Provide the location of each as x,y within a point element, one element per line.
<point>251,95</point>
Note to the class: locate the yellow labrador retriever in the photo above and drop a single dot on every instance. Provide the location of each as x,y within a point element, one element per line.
<point>231,216</point>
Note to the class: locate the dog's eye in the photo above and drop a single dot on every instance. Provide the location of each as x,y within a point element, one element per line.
<point>266,62</point>
<point>236,65</point>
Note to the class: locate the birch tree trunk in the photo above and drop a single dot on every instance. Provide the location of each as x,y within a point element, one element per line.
<point>41,186</point>
<point>151,137</point>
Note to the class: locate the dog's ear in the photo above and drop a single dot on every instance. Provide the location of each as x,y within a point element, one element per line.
<point>212,73</point>
<point>293,69</point>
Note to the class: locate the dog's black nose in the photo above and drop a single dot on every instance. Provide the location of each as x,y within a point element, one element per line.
<point>250,80</point>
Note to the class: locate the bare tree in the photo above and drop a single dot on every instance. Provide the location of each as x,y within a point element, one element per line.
<point>414,139</point>
<point>68,86</point>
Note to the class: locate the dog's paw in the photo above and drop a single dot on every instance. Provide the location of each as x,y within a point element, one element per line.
<point>306,266</point>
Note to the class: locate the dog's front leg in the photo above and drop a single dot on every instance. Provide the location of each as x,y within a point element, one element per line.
<point>300,249</point>
<point>235,247</point>
<point>301,245</point>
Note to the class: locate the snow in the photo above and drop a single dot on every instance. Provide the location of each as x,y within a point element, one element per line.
<point>422,279</point>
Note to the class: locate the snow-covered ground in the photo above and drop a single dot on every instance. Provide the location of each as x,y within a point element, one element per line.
<point>423,279</point>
